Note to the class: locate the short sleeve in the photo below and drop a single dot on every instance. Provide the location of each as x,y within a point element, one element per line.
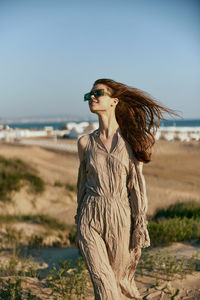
<point>81,187</point>
<point>139,204</point>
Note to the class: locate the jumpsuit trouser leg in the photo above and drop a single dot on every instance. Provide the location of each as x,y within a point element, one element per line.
<point>97,261</point>
<point>101,269</point>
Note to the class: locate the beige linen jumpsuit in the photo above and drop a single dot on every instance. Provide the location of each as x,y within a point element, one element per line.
<point>111,217</point>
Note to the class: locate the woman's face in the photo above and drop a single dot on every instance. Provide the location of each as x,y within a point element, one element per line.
<point>101,103</point>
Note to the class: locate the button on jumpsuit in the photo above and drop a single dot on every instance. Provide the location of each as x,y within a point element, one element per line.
<point>111,217</point>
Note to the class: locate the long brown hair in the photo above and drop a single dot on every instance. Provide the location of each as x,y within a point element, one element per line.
<point>138,116</point>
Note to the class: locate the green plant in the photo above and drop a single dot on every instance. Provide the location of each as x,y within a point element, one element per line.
<point>45,220</point>
<point>71,187</point>
<point>58,183</point>
<point>67,280</point>
<point>188,209</point>
<point>31,296</point>
<point>165,265</point>
<point>11,239</point>
<point>11,289</point>
<point>36,183</point>
<point>8,183</point>
<point>35,241</point>
<point>14,173</point>
<point>72,235</point>
<point>177,229</point>
<point>19,267</point>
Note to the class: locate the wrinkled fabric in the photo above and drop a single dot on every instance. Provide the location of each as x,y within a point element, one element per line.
<point>111,217</point>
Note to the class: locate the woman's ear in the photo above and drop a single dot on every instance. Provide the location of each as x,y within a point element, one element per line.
<point>116,100</point>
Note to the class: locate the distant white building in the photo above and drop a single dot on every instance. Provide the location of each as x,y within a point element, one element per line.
<point>95,125</point>
<point>75,132</point>
<point>78,129</point>
<point>49,130</point>
<point>71,125</point>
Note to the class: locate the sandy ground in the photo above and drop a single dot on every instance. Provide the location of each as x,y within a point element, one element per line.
<point>186,288</point>
<point>172,176</point>
<point>52,166</point>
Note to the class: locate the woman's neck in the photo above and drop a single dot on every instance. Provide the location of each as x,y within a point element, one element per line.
<point>108,125</point>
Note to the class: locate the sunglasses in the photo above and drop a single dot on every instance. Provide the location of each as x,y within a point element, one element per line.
<point>96,94</point>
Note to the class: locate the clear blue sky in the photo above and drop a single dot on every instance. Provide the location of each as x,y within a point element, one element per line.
<point>51,52</point>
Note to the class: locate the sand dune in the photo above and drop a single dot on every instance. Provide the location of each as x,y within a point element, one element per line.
<point>173,175</point>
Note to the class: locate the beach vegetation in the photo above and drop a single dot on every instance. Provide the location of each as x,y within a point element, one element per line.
<point>69,279</point>
<point>72,235</point>
<point>11,289</point>
<point>15,173</point>
<point>58,183</point>
<point>164,265</point>
<point>17,266</point>
<point>35,241</point>
<point>54,233</point>
<point>189,210</point>
<point>177,223</point>
<point>71,187</point>
<point>41,219</point>
<point>10,238</point>
<point>168,231</point>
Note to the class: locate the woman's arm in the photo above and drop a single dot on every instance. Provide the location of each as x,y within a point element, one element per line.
<point>82,143</point>
<point>139,204</point>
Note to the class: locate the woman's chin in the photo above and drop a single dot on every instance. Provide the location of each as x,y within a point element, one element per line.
<point>93,110</point>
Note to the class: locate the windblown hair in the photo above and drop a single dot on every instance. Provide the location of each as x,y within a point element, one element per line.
<point>138,116</point>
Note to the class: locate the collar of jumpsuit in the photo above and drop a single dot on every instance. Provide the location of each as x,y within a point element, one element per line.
<point>101,144</point>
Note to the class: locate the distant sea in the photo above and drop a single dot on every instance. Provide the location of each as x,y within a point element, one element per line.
<point>59,125</point>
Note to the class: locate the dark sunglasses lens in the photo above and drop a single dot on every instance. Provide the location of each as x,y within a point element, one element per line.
<point>87,97</point>
<point>98,93</point>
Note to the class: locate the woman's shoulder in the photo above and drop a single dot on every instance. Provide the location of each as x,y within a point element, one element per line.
<point>82,145</point>
<point>83,142</point>
<point>84,138</point>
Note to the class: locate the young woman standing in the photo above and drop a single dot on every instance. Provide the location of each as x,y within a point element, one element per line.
<point>112,201</point>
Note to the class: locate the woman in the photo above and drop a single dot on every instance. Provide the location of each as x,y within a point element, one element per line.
<point>112,202</point>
